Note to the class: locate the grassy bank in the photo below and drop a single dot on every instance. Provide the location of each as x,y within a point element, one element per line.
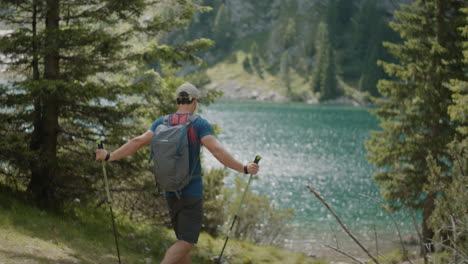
<point>236,82</point>
<point>84,235</point>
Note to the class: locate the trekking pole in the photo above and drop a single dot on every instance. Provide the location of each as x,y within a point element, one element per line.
<point>257,159</point>
<point>109,201</point>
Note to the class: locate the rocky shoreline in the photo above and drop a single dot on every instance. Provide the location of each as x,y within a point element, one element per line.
<point>233,90</point>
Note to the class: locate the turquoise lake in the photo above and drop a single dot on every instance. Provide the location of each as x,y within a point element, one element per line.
<point>319,145</point>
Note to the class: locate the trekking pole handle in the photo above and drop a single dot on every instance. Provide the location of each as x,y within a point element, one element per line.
<point>100,144</point>
<point>257,159</point>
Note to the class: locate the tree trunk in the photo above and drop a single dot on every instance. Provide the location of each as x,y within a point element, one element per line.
<point>427,232</point>
<point>44,138</point>
<point>35,61</point>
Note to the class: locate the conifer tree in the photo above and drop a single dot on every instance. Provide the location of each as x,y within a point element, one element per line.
<point>365,26</point>
<point>324,69</point>
<point>222,30</point>
<point>256,59</point>
<point>290,33</point>
<point>369,32</point>
<point>338,16</point>
<point>80,73</point>
<point>450,217</point>
<point>246,65</point>
<point>328,82</point>
<point>285,71</point>
<point>370,71</point>
<point>414,108</point>
<point>321,44</point>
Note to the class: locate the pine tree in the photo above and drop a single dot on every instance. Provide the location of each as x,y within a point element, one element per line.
<point>324,71</point>
<point>370,31</point>
<point>321,44</point>
<point>246,65</point>
<point>80,73</point>
<point>371,74</point>
<point>450,217</point>
<point>370,71</point>
<point>413,111</point>
<point>365,26</point>
<point>338,18</point>
<point>290,33</point>
<point>256,60</point>
<point>328,83</point>
<point>285,72</point>
<point>222,30</point>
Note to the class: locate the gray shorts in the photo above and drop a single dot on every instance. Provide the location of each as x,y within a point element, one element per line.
<point>186,217</point>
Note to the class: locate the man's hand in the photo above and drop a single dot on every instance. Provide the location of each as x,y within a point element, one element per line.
<point>101,154</point>
<point>225,158</point>
<point>252,168</point>
<point>127,149</point>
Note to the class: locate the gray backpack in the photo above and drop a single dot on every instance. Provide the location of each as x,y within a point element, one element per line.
<point>169,148</point>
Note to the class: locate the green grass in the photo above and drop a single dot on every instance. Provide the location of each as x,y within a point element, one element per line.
<point>84,235</point>
<point>80,235</point>
<point>234,71</point>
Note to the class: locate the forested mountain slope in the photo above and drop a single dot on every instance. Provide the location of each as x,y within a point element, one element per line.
<point>303,49</point>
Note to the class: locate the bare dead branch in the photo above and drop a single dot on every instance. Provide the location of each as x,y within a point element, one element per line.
<point>454,251</point>
<point>405,252</point>
<point>416,226</point>
<point>345,253</point>
<point>334,235</point>
<point>376,240</point>
<point>342,225</point>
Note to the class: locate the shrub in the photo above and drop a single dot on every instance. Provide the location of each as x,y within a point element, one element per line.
<point>259,220</point>
<point>214,201</point>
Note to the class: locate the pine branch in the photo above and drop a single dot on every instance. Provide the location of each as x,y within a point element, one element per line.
<point>459,163</point>
<point>343,225</point>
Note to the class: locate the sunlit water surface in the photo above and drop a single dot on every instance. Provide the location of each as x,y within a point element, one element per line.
<point>319,145</point>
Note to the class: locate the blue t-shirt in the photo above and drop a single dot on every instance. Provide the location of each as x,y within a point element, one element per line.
<point>199,129</point>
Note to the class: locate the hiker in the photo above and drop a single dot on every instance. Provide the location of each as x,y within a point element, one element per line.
<point>185,207</point>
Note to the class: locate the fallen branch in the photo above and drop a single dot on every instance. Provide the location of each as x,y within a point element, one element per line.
<point>342,225</point>
<point>345,253</point>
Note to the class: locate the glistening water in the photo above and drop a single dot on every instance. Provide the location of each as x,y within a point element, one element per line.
<point>319,145</point>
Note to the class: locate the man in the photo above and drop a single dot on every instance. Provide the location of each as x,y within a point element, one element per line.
<point>186,210</point>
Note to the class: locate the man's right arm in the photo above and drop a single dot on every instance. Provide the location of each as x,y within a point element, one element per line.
<point>128,148</point>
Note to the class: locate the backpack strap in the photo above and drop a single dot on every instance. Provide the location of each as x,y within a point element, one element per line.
<point>183,135</point>
<point>191,120</point>
<point>166,120</point>
<point>166,123</point>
